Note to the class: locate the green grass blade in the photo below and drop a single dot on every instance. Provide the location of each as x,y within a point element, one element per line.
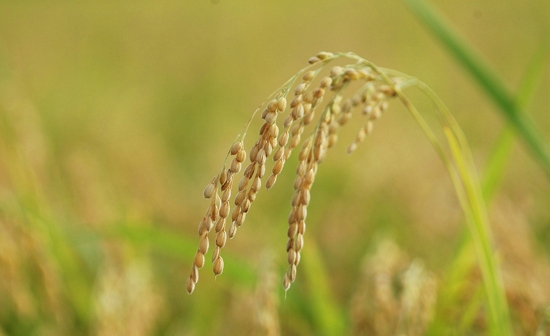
<point>329,320</point>
<point>499,320</point>
<point>498,160</point>
<point>175,245</point>
<point>485,76</point>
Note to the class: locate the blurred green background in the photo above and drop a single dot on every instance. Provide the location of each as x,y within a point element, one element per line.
<point>114,115</point>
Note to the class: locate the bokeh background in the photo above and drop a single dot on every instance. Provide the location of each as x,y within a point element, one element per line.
<point>114,116</point>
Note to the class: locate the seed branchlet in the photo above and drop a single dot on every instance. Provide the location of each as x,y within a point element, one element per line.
<point>284,122</point>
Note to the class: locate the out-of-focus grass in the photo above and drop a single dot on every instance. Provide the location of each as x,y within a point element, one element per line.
<point>115,116</point>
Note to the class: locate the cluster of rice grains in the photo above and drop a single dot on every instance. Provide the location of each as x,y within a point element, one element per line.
<point>306,94</point>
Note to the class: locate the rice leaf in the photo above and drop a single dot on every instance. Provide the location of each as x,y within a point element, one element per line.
<point>489,81</point>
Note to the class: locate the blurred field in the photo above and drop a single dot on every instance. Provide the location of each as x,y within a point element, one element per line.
<point>115,115</point>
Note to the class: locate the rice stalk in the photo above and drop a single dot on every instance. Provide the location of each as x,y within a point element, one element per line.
<point>377,87</point>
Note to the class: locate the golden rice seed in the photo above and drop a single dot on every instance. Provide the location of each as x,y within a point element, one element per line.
<point>278,166</point>
<point>299,89</point>
<point>299,242</point>
<point>203,244</point>
<point>274,131</point>
<point>336,71</point>
<point>241,155</point>
<point>318,93</point>
<point>306,196</point>
<point>254,153</point>
<point>292,217</point>
<point>273,144</point>
<point>383,105</point>
<point>289,244</point>
<point>278,155</point>
<point>325,82</point>
<point>283,139</point>
<point>235,166</point>
<point>308,76</point>
<point>308,118</point>
<point>336,109</point>
<point>304,153</point>
<point>376,113</point>
<point>191,285</point>
<point>240,218</point>
<point>302,168</point>
<point>249,171</point>
<point>368,110</point>
<point>356,100</point>
<point>240,197</point>
<point>369,127</point>
<point>352,74</point>
<point>272,105</point>
<point>256,184</point>
<point>286,282</point>
<point>268,148</point>
<point>297,129</point>
<point>302,227</point>
<point>229,183</point>
<point>346,105</point>
<point>296,101</point>
<point>310,177</point>
<point>216,253</point>
<point>263,128</point>
<point>271,181</point>
<point>246,205</point>
<point>199,259</point>
<point>281,104</point>
<point>288,121</point>
<point>252,195</point>
<point>308,97</point>
<point>236,147</point>
<point>220,224</point>
<point>261,157</point>
<point>261,171</point>
<point>288,151</point>
<point>270,118</point>
<point>224,210</point>
<point>298,182</point>
<point>351,148</point>
<point>218,266</point>
<point>298,111</point>
<point>324,55</point>
<point>344,117</point>
<point>295,200</point>
<point>378,96</point>
<point>301,212</point>
<point>333,127</point>
<point>386,90</point>
<point>243,183</point>
<point>210,220</point>
<point>226,194</point>
<point>319,138</point>
<point>361,135</point>
<point>194,273</point>
<point>307,107</point>
<point>291,256</point>
<point>313,60</point>
<point>319,153</point>
<point>223,176</point>
<point>292,230</point>
<point>292,273</point>
<point>210,189</point>
<point>221,239</point>
<point>202,226</point>
<point>232,230</point>
<point>297,259</point>
<point>295,141</point>
<point>264,113</point>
